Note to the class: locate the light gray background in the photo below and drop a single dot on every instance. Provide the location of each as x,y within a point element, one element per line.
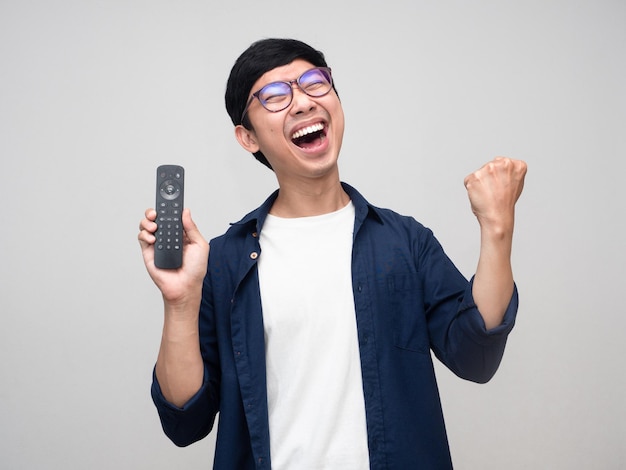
<point>94,95</point>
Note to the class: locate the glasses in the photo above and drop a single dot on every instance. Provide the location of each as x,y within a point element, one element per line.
<point>277,96</point>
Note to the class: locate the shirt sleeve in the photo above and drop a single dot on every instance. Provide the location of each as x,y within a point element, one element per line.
<point>457,331</point>
<point>475,323</point>
<point>189,423</point>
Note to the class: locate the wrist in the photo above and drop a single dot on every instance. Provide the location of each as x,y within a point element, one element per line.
<point>497,227</point>
<point>184,308</point>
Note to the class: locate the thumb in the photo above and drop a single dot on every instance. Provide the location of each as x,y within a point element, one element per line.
<point>190,227</point>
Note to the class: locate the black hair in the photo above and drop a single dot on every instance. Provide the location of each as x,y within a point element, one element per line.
<point>261,57</point>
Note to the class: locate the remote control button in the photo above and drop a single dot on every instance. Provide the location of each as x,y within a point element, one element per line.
<point>170,190</point>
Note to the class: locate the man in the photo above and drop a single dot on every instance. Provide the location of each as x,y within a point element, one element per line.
<point>311,326</point>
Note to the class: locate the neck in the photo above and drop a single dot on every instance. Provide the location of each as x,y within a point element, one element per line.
<point>309,198</point>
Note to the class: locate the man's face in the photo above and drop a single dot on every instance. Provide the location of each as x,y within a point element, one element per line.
<point>303,140</point>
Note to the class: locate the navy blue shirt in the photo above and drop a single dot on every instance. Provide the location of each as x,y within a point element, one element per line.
<point>409,299</point>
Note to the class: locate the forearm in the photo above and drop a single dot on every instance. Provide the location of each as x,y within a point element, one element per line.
<point>179,367</point>
<point>493,283</point>
<point>493,191</point>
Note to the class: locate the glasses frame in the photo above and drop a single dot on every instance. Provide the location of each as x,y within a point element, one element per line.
<point>290,83</point>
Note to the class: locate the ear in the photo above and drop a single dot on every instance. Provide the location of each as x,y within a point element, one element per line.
<point>246,138</point>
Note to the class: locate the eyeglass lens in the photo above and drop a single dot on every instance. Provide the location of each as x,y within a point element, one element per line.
<point>277,96</point>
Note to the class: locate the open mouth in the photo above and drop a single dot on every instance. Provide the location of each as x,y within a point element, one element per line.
<point>309,137</point>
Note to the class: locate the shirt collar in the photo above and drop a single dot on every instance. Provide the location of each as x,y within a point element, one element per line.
<point>363,209</point>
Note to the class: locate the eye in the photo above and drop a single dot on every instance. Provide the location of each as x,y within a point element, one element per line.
<point>314,81</point>
<point>273,93</point>
<point>313,85</point>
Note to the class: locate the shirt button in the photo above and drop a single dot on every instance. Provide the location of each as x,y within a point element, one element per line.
<point>254,234</point>
<point>254,255</point>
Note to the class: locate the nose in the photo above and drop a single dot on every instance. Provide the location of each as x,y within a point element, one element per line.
<point>301,102</point>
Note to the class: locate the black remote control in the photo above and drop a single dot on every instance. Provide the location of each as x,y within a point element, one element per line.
<point>170,189</point>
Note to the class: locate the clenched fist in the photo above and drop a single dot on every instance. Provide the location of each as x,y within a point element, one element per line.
<point>493,191</point>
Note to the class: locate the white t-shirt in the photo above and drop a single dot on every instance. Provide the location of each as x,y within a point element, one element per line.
<point>314,385</point>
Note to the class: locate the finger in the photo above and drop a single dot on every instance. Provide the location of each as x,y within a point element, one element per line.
<point>520,171</point>
<point>521,167</point>
<point>488,168</point>
<point>190,227</point>
<point>151,214</point>
<point>146,238</point>
<point>148,226</point>
<point>467,180</point>
<point>517,166</point>
<point>500,168</point>
<point>476,176</point>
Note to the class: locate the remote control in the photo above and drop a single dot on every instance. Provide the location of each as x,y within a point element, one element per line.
<point>170,188</point>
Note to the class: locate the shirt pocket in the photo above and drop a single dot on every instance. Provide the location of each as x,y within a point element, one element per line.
<point>410,330</point>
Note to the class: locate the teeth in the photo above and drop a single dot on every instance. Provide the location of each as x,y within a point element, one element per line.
<point>308,130</point>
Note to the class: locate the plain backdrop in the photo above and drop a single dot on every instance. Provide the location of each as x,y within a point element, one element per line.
<point>95,94</point>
